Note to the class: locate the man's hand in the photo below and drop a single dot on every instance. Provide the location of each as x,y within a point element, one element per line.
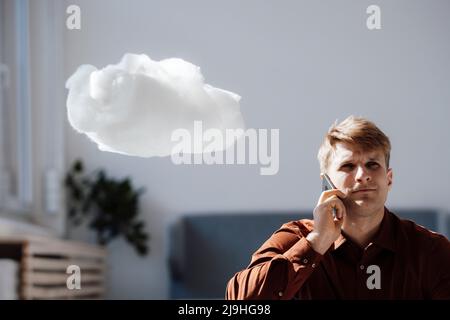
<point>327,227</point>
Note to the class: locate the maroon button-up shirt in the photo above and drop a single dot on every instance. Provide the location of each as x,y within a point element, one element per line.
<point>403,261</point>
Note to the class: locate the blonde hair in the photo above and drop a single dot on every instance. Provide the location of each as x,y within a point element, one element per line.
<point>356,131</point>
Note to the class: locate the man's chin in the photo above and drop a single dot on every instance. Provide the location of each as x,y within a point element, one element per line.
<point>362,207</point>
<point>361,203</point>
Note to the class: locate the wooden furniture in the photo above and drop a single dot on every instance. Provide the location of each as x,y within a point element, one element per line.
<point>44,266</point>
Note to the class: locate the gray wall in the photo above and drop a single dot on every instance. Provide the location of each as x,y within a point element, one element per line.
<point>298,66</point>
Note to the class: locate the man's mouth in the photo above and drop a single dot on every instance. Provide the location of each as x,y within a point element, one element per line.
<point>363,190</point>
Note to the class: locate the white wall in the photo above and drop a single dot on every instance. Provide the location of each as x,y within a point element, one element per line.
<point>298,65</point>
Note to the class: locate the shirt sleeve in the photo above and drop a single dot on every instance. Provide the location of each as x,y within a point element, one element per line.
<point>278,268</point>
<point>439,269</point>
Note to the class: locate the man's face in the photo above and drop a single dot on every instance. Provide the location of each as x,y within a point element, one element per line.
<point>363,175</point>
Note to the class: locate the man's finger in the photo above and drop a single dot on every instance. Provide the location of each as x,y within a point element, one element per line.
<point>336,204</point>
<point>330,193</point>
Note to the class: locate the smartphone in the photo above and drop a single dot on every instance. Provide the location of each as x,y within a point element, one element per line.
<point>326,182</point>
<point>327,185</point>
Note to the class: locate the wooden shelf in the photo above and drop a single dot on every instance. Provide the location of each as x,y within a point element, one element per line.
<point>44,262</point>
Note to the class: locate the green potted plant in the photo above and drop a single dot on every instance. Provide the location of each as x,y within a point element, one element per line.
<point>110,205</point>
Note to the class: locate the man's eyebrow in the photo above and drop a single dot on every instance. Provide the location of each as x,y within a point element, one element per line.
<point>349,161</point>
<point>346,161</point>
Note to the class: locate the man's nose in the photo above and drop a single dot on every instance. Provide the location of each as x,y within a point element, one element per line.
<point>362,174</point>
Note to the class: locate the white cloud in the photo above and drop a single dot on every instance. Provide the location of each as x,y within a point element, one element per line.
<point>133,107</point>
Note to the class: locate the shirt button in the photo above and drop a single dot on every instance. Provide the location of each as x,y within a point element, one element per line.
<point>313,265</point>
<point>280,294</point>
<point>361,267</point>
<point>305,261</point>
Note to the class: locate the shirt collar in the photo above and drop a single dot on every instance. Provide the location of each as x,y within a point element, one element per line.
<point>384,237</point>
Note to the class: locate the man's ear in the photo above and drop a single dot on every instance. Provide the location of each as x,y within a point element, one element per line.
<point>390,178</point>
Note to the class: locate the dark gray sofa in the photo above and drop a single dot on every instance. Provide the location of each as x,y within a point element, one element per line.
<point>207,249</point>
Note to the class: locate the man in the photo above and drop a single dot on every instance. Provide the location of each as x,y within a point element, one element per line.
<point>355,248</point>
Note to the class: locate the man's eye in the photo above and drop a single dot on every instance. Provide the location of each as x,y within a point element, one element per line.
<point>348,166</point>
<point>373,165</point>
